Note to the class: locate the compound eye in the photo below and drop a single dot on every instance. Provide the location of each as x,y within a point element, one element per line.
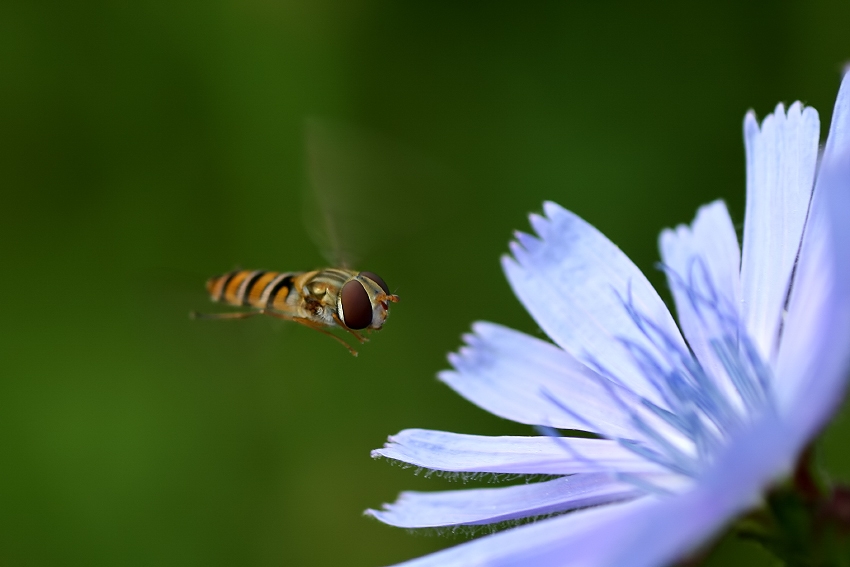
<point>377,279</point>
<point>356,307</point>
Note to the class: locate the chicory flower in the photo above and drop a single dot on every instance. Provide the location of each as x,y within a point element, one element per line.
<point>695,424</point>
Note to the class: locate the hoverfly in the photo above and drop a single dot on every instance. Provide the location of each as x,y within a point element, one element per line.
<point>332,297</point>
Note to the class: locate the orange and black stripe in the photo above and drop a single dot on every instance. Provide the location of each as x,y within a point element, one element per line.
<point>258,288</point>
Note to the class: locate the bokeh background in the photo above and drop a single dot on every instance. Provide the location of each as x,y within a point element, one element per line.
<point>145,146</point>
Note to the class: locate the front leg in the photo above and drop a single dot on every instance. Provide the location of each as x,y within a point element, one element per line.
<point>360,337</point>
<point>313,325</point>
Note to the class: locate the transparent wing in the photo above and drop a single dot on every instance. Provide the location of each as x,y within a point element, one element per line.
<point>363,191</point>
<point>330,195</point>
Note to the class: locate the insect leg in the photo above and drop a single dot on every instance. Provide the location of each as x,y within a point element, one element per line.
<point>360,337</point>
<point>305,322</point>
<point>311,325</point>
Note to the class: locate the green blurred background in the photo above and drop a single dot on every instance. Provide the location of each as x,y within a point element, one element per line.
<point>146,146</point>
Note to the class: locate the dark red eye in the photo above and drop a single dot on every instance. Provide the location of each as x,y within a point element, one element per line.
<point>356,307</point>
<point>377,279</point>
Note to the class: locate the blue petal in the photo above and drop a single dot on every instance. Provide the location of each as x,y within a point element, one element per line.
<point>575,282</point>
<point>670,528</point>
<point>443,451</point>
<point>515,376</point>
<point>490,505</point>
<point>645,532</point>
<point>838,141</point>
<point>781,162</point>
<point>703,263</point>
<point>522,546</point>
<point>814,358</point>
<point>813,366</point>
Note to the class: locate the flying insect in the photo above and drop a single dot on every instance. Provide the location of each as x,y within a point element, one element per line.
<point>320,299</point>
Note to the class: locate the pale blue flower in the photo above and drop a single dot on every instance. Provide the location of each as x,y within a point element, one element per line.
<point>693,432</point>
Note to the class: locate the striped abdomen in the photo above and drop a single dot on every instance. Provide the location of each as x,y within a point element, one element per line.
<point>264,290</point>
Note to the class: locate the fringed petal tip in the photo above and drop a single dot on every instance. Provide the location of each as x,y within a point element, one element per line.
<point>382,515</point>
<point>485,328</point>
<point>574,284</point>
<point>528,380</point>
<point>751,123</point>
<point>781,165</point>
<point>553,210</point>
<point>540,224</point>
<point>468,338</point>
<point>508,260</point>
<point>530,243</point>
<point>483,506</point>
<point>797,111</point>
<point>525,244</point>
<point>518,256</point>
<point>716,207</point>
<point>392,442</point>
